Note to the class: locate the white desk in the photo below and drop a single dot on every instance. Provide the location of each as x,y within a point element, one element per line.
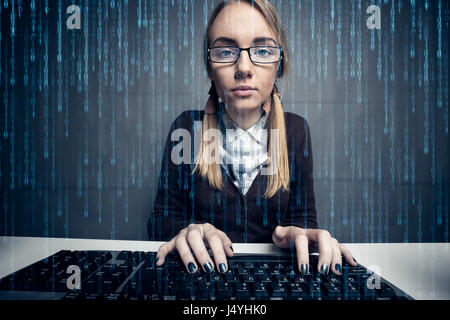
<point>420,269</point>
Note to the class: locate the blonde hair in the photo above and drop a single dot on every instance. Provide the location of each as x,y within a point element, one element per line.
<point>211,169</point>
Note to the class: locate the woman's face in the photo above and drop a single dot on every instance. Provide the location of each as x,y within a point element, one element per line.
<point>242,23</point>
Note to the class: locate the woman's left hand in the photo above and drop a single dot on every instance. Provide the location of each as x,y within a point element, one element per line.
<point>330,250</point>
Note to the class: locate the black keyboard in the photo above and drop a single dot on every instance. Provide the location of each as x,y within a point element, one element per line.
<point>126,275</point>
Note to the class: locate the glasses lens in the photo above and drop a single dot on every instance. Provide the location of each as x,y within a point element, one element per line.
<point>224,54</point>
<point>265,54</point>
<point>262,54</point>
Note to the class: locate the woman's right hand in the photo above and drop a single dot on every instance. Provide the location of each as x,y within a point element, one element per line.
<point>193,236</point>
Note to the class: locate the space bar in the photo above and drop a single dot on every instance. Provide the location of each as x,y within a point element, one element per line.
<point>31,295</point>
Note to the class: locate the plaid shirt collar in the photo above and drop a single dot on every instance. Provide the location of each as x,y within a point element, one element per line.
<point>236,133</point>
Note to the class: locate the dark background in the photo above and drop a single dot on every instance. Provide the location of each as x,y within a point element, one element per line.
<point>85,113</point>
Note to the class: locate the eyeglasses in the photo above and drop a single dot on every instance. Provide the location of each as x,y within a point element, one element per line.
<point>258,54</point>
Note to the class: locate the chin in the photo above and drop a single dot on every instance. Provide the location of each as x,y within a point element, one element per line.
<point>246,103</point>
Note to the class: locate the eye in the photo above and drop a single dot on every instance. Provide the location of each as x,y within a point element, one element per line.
<point>226,52</point>
<point>263,52</point>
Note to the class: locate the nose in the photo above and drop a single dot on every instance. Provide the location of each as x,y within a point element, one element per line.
<point>244,64</point>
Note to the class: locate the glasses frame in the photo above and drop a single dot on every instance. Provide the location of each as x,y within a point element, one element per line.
<point>248,50</point>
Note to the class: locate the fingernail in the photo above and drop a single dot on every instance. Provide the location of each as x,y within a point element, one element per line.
<point>324,269</point>
<point>208,267</point>
<point>355,260</point>
<point>157,259</point>
<point>304,268</point>
<point>222,267</point>
<point>191,267</point>
<point>338,267</point>
<point>231,248</point>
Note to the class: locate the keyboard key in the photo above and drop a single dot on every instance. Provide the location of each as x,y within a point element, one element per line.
<point>351,291</point>
<point>112,297</point>
<point>107,286</point>
<point>203,294</point>
<point>149,275</point>
<point>275,272</point>
<point>154,297</point>
<point>335,279</point>
<point>296,291</point>
<point>183,294</point>
<point>248,278</point>
<point>242,291</point>
<point>231,278</point>
<point>260,291</point>
<point>301,279</point>
<point>266,279</point>
<point>241,286</point>
<point>243,271</point>
<point>216,278</point>
<point>124,255</point>
<point>332,291</point>
<point>90,286</point>
<point>117,278</point>
<point>93,296</point>
<point>224,294</point>
<point>75,295</point>
<point>259,270</point>
<point>278,290</point>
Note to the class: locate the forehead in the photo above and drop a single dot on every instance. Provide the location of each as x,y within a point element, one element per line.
<point>241,22</point>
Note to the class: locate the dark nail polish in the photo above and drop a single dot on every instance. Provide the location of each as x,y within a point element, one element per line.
<point>208,267</point>
<point>231,248</point>
<point>355,260</point>
<point>338,267</point>
<point>222,267</point>
<point>324,269</point>
<point>191,267</point>
<point>304,268</point>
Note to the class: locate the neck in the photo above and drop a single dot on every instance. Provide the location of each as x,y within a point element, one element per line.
<point>245,119</point>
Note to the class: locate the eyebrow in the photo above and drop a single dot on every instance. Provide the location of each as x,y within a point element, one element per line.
<point>229,40</point>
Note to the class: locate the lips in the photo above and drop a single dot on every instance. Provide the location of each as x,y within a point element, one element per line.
<point>243,87</point>
<point>243,91</point>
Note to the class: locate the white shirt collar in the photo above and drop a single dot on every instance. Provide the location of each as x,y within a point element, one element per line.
<point>236,132</point>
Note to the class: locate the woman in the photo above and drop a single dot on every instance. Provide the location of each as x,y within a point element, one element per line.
<point>234,201</point>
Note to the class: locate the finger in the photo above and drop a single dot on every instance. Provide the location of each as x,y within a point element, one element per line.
<point>323,238</point>
<point>216,246</point>
<point>301,246</point>
<point>195,240</point>
<point>348,255</point>
<point>226,242</point>
<point>185,253</point>
<point>336,260</point>
<point>163,250</point>
<point>279,237</point>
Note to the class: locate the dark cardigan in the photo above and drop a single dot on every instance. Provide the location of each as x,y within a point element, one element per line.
<point>183,198</point>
